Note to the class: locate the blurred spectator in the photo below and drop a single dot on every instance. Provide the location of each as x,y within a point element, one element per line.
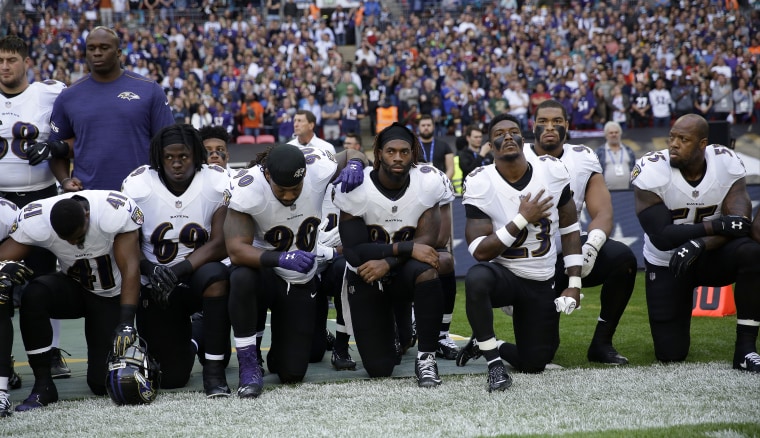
<point>351,113</point>
<point>620,104</point>
<point>201,117</point>
<point>339,22</point>
<point>252,116</point>
<point>617,159</point>
<point>742,103</point>
<point>641,107</point>
<point>285,114</point>
<point>703,102</point>
<point>476,154</point>
<point>518,103</point>
<point>331,115</point>
<point>682,95</point>
<point>602,109</point>
<point>584,107</point>
<point>661,103</point>
<point>723,98</point>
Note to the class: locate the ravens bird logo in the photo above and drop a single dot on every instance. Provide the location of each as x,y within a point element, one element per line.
<point>128,95</point>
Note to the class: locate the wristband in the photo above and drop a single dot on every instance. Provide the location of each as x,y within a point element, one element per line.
<point>146,267</point>
<point>520,221</point>
<point>504,236</point>
<point>127,313</point>
<point>573,260</point>
<point>392,261</point>
<point>474,245</point>
<point>574,282</point>
<point>270,259</point>
<point>183,269</point>
<point>405,248</point>
<point>596,238</point>
<point>570,228</point>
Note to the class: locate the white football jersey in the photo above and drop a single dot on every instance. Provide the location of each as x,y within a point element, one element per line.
<point>285,228</point>
<point>688,204</point>
<point>315,143</point>
<point>534,253</point>
<point>581,162</point>
<point>8,213</point>
<point>25,119</point>
<point>393,220</point>
<point>175,226</point>
<point>92,264</point>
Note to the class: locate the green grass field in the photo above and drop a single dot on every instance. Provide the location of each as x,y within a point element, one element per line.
<point>702,397</point>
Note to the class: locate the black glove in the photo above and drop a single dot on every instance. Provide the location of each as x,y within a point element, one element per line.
<point>732,225</point>
<point>123,337</point>
<point>163,280</point>
<point>685,255</point>
<point>6,288</point>
<point>17,272</point>
<point>38,152</point>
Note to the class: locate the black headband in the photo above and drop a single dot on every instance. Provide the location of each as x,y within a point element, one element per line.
<point>395,131</point>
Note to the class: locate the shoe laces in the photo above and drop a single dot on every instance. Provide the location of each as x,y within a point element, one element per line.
<point>4,399</point>
<point>428,369</point>
<point>447,341</point>
<point>57,357</point>
<point>496,375</point>
<point>753,357</point>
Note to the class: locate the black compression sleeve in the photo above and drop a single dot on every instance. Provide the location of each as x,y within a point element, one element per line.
<point>356,246</point>
<point>473,212</point>
<point>567,195</point>
<point>664,235</point>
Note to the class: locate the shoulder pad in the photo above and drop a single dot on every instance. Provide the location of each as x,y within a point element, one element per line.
<point>732,163</point>
<point>138,185</point>
<point>652,170</point>
<point>476,185</point>
<point>117,212</point>
<point>554,166</point>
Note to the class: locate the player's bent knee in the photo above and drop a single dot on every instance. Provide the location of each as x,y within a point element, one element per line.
<point>427,275</point>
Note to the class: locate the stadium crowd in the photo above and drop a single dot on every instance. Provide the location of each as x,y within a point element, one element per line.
<point>250,67</point>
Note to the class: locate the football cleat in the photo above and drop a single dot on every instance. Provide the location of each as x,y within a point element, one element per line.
<point>342,361</point>
<point>5,404</point>
<point>470,351</point>
<point>58,366</point>
<point>426,370</point>
<point>498,378</point>
<point>215,379</point>
<point>749,363</point>
<point>40,396</point>
<point>330,338</point>
<point>251,381</point>
<point>605,354</point>
<point>14,381</point>
<point>447,348</point>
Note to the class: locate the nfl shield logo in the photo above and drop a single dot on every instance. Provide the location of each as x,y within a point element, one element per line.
<point>178,204</point>
<point>394,209</point>
<point>695,194</point>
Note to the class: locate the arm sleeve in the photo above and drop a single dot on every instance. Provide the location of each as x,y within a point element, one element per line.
<point>663,233</point>
<point>567,195</point>
<point>356,247</point>
<point>472,212</point>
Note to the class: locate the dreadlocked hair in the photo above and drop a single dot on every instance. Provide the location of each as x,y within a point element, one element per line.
<point>180,133</point>
<point>377,149</point>
<point>261,157</point>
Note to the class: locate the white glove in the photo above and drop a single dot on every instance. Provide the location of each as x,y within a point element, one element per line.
<point>590,250</point>
<point>566,304</point>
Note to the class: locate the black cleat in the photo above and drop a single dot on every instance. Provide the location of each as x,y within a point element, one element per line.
<point>447,348</point>
<point>750,362</point>
<point>342,361</point>
<point>605,354</point>
<point>58,367</point>
<point>498,378</point>
<point>5,404</point>
<point>14,381</point>
<point>40,396</point>
<point>426,370</point>
<point>330,338</point>
<point>470,351</point>
<point>215,379</point>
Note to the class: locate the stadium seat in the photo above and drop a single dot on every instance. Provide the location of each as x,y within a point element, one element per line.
<point>246,139</point>
<point>265,138</point>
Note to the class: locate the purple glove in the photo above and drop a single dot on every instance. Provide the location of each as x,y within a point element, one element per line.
<point>351,176</point>
<point>299,261</point>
